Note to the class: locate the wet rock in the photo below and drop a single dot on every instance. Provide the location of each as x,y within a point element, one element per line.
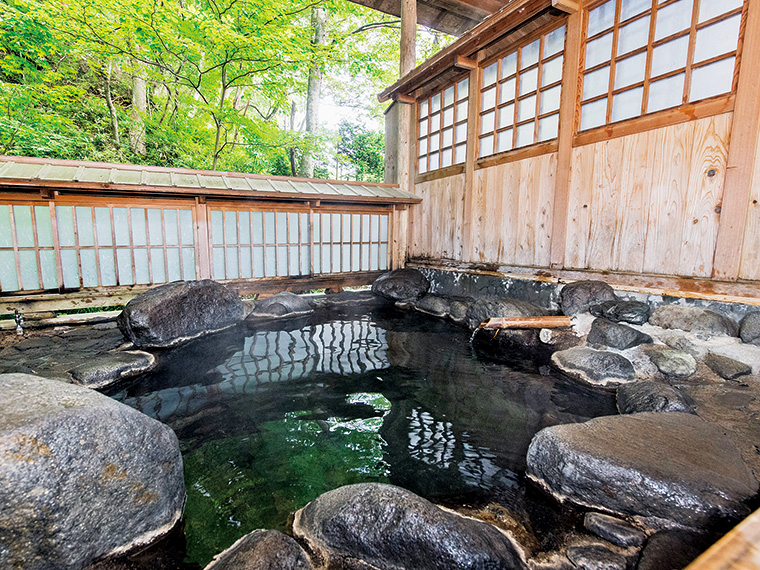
<point>262,550</point>
<point>651,396</point>
<point>634,312</point>
<point>285,304</point>
<point>749,328</point>
<point>668,466</point>
<point>673,362</point>
<point>170,314</point>
<point>596,557</point>
<point>81,475</point>
<point>559,339</point>
<point>401,285</point>
<point>692,319</point>
<point>484,309</point>
<point>613,529</point>
<point>372,525</point>
<point>607,333</point>
<point>594,367</point>
<point>444,307</point>
<point>352,299</point>
<point>111,367</point>
<point>672,549</point>
<point>519,348</point>
<point>727,368</point>
<point>580,296</point>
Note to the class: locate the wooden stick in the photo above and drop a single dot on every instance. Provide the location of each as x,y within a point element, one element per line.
<point>526,323</point>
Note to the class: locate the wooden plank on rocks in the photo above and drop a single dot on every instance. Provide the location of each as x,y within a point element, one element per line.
<point>526,323</point>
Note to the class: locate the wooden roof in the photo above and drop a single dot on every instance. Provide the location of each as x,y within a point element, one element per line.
<point>453,17</point>
<point>65,175</point>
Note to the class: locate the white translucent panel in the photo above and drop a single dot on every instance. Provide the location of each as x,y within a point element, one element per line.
<point>460,154</point>
<point>139,229</point>
<point>384,228</point>
<point>231,263</point>
<point>22,217</point>
<point>28,265</point>
<point>489,99</point>
<point>627,104</point>
<point>44,226</point>
<point>435,103</point>
<point>461,133</point>
<point>487,122</point>
<point>305,260</point>
<point>506,116</point>
<point>448,138</point>
<point>447,157</point>
<point>49,276</point>
<point>423,147</point>
<point>8,277</point>
<point>596,83</point>
<point>670,56</point>
<point>304,217</point>
<point>601,18</point>
<point>230,227</point>
<point>157,265</point>
<point>64,216</point>
<point>462,109</point>
<point>424,106</point>
<point>295,261</point>
<point>365,257</point>
<point>85,229</point>
<point>717,39</point>
<point>434,161</point>
<point>714,79</point>
<point>173,264</point>
<point>554,42</point>
<point>270,261</point>
<point>507,91</point>
<point>489,74</point>
<point>504,141</point>
<point>709,9</point>
<point>630,70</point>
<point>434,142</point>
<point>269,227</point>
<point>550,99</point>
<point>142,270</point>
<point>6,236</point>
<point>246,266</point>
<point>282,227</point>
<point>217,227</point>
<point>218,270</point>
<point>293,227</point>
<point>509,65</point>
<point>666,93</point>
<point>551,71</point>
<point>633,36</point>
<point>435,123</point>
<point>257,227</point>
<point>326,227</point>
<point>448,97</point>
<point>422,165</point>
<point>529,81</point>
<point>171,227</point>
<point>336,261</point>
<point>155,227</point>
<point>346,225</point>
<point>529,54</point>
<point>424,126</point>
<point>383,259</point>
<point>70,267</point>
<point>121,226</point>
<point>486,145</point>
<point>124,265</point>
<point>674,18</point>
<point>89,268</point>
<point>463,88</point>
<point>365,227</point>
<point>355,257</point>
<point>631,8</point>
<point>374,256</point>
<point>188,263</point>
<point>448,117</point>
<point>244,227</point>
<point>526,108</point>
<point>107,268</point>
<point>186,227</point>
<point>525,135</point>
<point>594,114</point>
<point>258,262</point>
<point>336,227</point>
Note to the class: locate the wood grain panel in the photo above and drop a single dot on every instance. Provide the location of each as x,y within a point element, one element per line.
<point>437,227</point>
<point>579,207</point>
<point>750,264</point>
<point>606,182</point>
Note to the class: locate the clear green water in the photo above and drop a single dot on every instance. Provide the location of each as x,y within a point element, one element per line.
<point>271,417</point>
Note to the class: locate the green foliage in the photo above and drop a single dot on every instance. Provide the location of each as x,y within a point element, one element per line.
<point>364,150</point>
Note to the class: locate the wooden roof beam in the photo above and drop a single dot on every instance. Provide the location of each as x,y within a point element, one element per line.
<point>569,6</point>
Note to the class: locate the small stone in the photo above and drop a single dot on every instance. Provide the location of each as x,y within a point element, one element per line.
<point>693,319</point>
<point>262,550</point>
<point>616,335</point>
<point>580,296</point>
<point>596,557</point>
<point>749,328</point>
<point>727,368</point>
<point>672,549</point>
<point>109,368</point>
<point>634,312</point>
<point>401,285</point>
<point>594,367</point>
<point>613,529</point>
<point>283,304</point>
<point>651,396</point>
<point>673,362</point>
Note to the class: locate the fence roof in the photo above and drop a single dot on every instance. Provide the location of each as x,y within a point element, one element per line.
<point>65,175</point>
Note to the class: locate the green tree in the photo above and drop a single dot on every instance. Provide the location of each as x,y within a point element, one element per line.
<point>364,150</point>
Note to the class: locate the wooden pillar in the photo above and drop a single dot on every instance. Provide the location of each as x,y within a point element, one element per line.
<point>202,240</point>
<point>741,154</point>
<point>408,63</point>
<point>473,122</point>
<point>408,36</point>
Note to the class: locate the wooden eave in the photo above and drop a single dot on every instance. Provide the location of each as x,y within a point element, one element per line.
<point>466,47</point>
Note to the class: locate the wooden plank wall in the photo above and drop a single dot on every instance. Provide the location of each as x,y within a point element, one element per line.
<point>436,225</point>
<point>750,265</point>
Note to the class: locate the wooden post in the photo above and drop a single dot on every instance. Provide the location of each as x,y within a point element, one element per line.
<point>408,63</point>
<point>473,128</point>
<point>567,124</point>
<point>202,241</point>
<point>741,154</point>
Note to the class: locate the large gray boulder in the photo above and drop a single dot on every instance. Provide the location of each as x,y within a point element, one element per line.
<point>594,367</point>
<point>634,312</point>
<point>371,525</point>
<point>580,296</point>
<point>401,285</point>
<point>667,466</point>
<point>749,328</point>
<point>285,304</point>
<point>112,367</point>
<point>616,335</point>
<point>693,319</point>
<point>651,396</point>
<point>170,314</point>
<point>484,309</point>
<point>675,363</point>
<point>262,550</point>
<point>81,476</point>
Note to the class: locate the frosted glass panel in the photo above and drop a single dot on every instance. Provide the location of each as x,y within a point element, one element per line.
<point>509,65</point>
<point>188,263</point>
<point>355,260</point>
<point>552,71</point>
<point>8,277</point>
<point>383,257</point>
<point>461,133</point>
<point>435,103</point>
<point>171,227</point>
<point>383,228</point>
<point>282,261</point>
<point>424,126</point>
<point>186,227</point>
<point>462,109</point>
<point>49,277</point>
<point>601,18</point>
<point>709,9</point>
<point>422,166</point>
<point>65,217</point>
<point>489,99</point>
<point>121,226</point>
<point>486,145</point>
<point>424,106</point>
<point>28,265</point>
<point>231,269</point>
<point>593,114</point>
<point>487,122</point>
<point>633,36</point>
<point>305,260</point>
<point>84,227</point>
<point>525,135</point>
<point>230,227</point>
<point>157,265</point>
<point>529,54</point>
<point>336,224</point>
<point>550,100</point>
<point>217,227</point>
<point>107,267</point>
<point>244,227</point>
<point>507,91</point>
<point>714,79</point>
<point>526,108</point>
<point>463,88</point>
<point>630,70</point>
<point>269,227</point>
<point>448,117</point>
<point>22,216</point>
<point>670,56</point>
<point>258,262</point>
<point>448,138</point>
<point>44,226</point>
<point>627,104</point>
<point>155,227</point>
<point>435,122</point>
<point>717,39</point>
<point>124,263</point>
<point>374,254</point>
<point>70,268</point>
<point>448,97</point>
<point>423,146</point>
<point>666,93</point>
<point>504,141</point>
<point>489,75</point>
<point>142,270</point>
<point>554,42</point>
<point>6,236</point>
<point>89,268</point>
<point>365,257</point>
<point>257,224</point>
<point>460,154</point>
<point>172,260</point>
<point>103,226</point>
<point>674,18</point>
<point>434,161</point>
<point>218,260</point>
<point>506,116</point>
<point>596,83</point>
<point>295,267</point>
<point>631,8</point>
<point>139,232</point>
<point>529,81</point>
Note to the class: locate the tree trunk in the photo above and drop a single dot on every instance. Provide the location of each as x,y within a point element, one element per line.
<point>139,110</point>
<point>314,93</point>
<point>292,150</point>
<point>111,108</point>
